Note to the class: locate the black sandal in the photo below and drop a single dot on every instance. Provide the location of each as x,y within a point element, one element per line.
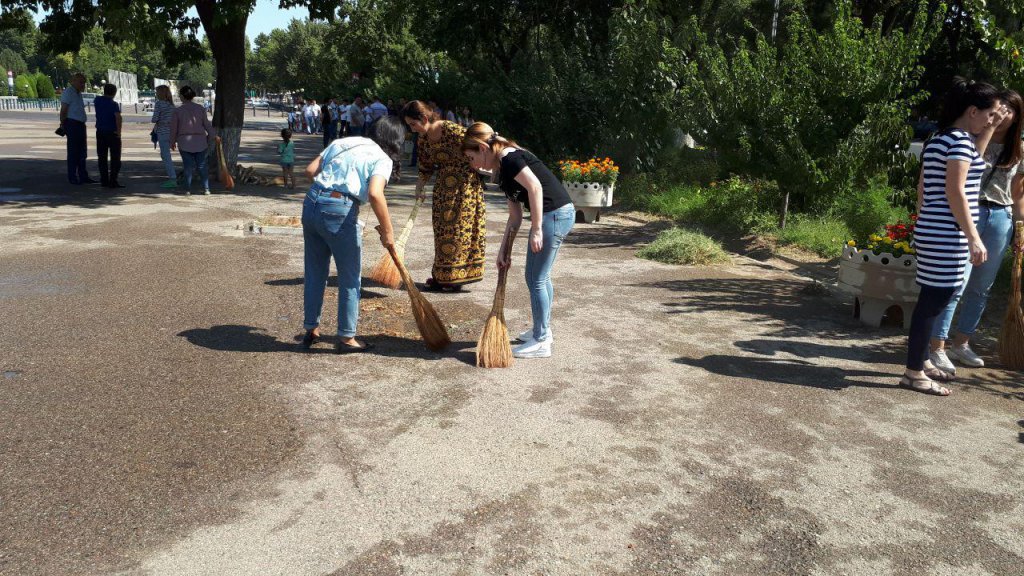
<point>341,348</point>
<point>309,339</point>
<point>923,385</point>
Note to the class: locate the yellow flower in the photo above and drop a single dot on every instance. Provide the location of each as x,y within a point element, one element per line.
<point>874,238</point>
<point>851,243</point>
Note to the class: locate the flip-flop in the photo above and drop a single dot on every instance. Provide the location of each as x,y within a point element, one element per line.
<point>340,348</point>
<point>930,386</point>
<point>939,375</point>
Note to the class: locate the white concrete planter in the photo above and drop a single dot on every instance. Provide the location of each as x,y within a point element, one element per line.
<point>589,198</point>
<point>878,283</point>
<point>590,194</point>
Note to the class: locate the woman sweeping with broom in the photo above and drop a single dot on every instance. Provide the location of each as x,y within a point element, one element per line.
<point>528,183</point>
<point>347,174</point>
<point>946,236</point>
<point>457,212</point>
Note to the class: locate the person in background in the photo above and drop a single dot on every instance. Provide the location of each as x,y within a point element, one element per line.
<point>348,174</point>
<point>325,123</point>
<point>377,110</point>
<point>191,131</point>
<point>108,136</point>
<point>163,111</point>
<point>72,121</point>
<point>1002,195</point>
<point>343,118</point>
<point>286,150</point>
<point>945,235</point>
<point>332,106</point>
<point>307,115</point>
<point>450,116</point>
<point>528,183</point>
<point>355,117</point>
<point>457,212</point>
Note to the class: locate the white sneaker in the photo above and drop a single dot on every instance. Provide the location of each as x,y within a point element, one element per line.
<point>527,336</point>
<point>941,361</point>
<point>533,349</point>
<point>206,192</point>
<point>966,356</point>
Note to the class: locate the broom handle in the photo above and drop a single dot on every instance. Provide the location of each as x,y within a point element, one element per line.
<point>499,294</point>
<point>407,229</point>
<point>1018,255</point>
<point>401,269</point>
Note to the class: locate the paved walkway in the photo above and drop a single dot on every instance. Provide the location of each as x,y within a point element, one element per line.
<point>157,418</point>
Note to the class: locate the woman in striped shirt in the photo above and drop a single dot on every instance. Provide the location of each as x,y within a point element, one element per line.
<point>945,235</point>
<point>163,110</point>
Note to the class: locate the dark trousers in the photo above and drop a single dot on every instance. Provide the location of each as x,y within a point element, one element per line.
<point>76,151</point>
<point>930,303</point>
<point>415,148</point>
<point>329,135</point>
<point>108,143</point>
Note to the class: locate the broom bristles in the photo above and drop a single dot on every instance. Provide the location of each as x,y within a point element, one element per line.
<point>1011,338</point>
<point>384,272</point>
<point>493,349</point>
<point>428,321</point>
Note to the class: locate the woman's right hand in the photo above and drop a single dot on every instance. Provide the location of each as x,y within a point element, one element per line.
<point>504,261</point>
<point>979,254</point>
<point>387,237</point>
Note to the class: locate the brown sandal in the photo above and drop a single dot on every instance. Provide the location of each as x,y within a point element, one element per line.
<point>939,375</point>
<point>923,385</point>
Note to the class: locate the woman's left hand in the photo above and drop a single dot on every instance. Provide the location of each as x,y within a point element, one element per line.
<point>536,240</point>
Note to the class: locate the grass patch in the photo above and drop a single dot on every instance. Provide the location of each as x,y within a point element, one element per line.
<point>679,246</point>
<point>823,236</point>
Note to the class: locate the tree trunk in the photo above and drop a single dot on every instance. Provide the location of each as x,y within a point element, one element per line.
<point>785,210</point>
<point>227,42</point>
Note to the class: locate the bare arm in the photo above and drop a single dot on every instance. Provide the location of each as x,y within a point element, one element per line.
<point>313,168</point>
<point>118,118</point>
<point>535,194</point>
<point>956,179</point>
<point>515,218</point>
<point>1017,192</point>
<point>920,189</point>
<point>380,208</point>
<point>63,113</point>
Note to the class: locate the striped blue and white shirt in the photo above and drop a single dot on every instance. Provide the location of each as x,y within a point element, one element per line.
<point>941,245</point>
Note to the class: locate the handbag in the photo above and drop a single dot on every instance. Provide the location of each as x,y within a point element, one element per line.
<point>153,137</point>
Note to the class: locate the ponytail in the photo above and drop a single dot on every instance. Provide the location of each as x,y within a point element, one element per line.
<point>480,134</point>
<point>964,94</point>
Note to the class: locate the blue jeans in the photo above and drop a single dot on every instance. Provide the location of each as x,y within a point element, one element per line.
<point>309,125</point>
<point>192,161</point>
<point>995,226</point>
<point>330,226</point>
<point>77,151</point>
<point>555,226</point>
<point>165,155</point>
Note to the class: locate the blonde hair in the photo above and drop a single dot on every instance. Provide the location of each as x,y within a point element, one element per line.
<point>163,92</point>
<point>480,134</point>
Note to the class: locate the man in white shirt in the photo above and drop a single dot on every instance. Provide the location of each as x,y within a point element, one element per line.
<point>72,120</point>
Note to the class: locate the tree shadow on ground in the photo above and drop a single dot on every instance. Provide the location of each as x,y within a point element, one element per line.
<point>797,372</point>
<point>601,235</point>
<point>396,347</point>
<point>792,308</point>
<point>870,353</point>
<point>1002,383</point>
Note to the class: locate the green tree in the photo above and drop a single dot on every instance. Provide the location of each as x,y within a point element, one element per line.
<point>10,60</point>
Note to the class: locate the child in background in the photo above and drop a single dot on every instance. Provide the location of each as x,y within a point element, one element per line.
<point>286,150</point>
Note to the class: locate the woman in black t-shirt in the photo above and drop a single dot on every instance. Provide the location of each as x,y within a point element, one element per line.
<point>526,181</point>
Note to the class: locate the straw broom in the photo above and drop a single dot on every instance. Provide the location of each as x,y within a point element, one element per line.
<point>429,323</point>
<point>493,349</point>
<point>384,272</point>
<point>1011,340</point>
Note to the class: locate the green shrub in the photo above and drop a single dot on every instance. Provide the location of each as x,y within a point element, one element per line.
<point>44,86</point>
<point>866,211</point>
<point>823,236</point>
<point>679,246</point>
<point>25,86</point>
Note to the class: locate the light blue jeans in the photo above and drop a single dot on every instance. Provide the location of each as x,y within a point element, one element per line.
<point>555,225</point>
<point>165,155</point>
<point>330,227</point>
<point>995,225</point>
<point>195,161</point>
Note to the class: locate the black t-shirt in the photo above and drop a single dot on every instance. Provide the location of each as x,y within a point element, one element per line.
<point>513,163</point>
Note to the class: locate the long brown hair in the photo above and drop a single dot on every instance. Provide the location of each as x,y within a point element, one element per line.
<point>417,110</point>
<point>1013,150</point>
<point>480,134</point>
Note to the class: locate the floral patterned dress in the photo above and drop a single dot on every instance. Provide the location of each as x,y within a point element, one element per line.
<point>458,208</point>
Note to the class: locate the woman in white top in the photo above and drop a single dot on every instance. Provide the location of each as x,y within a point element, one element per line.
<point>945,235</point>
<point>163,110</point>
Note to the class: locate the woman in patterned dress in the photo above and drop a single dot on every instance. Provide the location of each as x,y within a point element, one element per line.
<point>457,214</point>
